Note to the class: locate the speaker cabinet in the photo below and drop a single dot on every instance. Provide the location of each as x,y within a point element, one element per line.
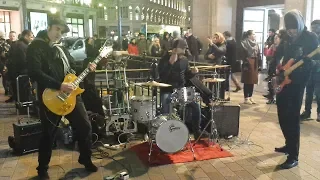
<point>27,136</point>
<point>226,117</point>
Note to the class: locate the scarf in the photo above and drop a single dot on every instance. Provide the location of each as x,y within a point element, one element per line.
<point>251,47</point>
<point>66,65</point>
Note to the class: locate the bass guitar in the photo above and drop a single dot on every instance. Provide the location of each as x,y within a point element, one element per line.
<point>283,72</point>
<point>62,103</point>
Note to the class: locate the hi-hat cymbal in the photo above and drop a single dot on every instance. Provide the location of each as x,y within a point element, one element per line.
<point>152,84</point>
<point>213,80</point>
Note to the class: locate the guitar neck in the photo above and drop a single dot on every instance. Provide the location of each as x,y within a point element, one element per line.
<point>86,72</point>
<point>299,63</point>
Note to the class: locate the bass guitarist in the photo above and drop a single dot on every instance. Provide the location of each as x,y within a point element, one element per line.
<point>48,63</point>
<point>300,43</point>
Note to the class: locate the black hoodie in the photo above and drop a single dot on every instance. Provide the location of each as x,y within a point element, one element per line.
<point>44,63</point>
<point>297,49</point>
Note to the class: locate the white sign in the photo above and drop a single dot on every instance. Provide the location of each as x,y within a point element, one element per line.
<point>39,21</point>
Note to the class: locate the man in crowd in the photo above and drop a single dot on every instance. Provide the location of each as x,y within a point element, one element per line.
<point>300,43</point>
<point>17,64</point>
<point>314,82</point>
<point>48,63</point>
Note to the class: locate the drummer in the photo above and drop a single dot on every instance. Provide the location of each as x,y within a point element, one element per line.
<point>174,70</point>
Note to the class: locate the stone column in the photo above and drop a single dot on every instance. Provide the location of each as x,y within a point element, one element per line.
<point>86,25</point>
<point>209,16</point>
<point>304,6</point>
<point>24,15</point>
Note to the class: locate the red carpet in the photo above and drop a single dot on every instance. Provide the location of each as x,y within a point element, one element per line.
<point>158,157</point>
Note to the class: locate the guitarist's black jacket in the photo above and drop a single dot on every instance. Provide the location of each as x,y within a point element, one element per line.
<point>304,45</point>
<point>44,63</point>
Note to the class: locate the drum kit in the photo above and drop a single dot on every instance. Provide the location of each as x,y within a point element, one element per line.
<point>167,131</point>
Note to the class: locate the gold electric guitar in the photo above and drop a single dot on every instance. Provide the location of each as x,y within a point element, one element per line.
<point>62,103</point>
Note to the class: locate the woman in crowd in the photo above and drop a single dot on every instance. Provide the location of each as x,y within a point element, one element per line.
<point>156,48</point>
<point>133,47</point>
<point>250,53</point>
<point>217,48</point>
<point>277,48</point>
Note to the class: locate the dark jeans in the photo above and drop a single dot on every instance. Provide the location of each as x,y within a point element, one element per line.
<point>247,90</point>
<point>92,100</point>
<point>288,105</point>
<point>309,95</point>
<point>4,81</point>
<point>271,89</point>
<point>79,121</point>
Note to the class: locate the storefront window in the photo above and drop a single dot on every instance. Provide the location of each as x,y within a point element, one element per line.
<point>5,22</point>
<point>76,25</point>
<point>315,11</point>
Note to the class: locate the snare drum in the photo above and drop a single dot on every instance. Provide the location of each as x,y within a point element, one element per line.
<point>185,95</point>
<point>141,108</point>
<point>171,135</point>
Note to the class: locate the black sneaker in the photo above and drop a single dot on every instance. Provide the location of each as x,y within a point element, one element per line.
<point>9,100</point>
<point>43,176</point>
<point>282,149</point>
<point>89,166</point>
<point>237,90</point>
<point>289,163</point>
<point>271,101</point>
<point>305,116</point>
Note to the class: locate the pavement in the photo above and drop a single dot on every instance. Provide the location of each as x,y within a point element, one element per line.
<point>253,150</point>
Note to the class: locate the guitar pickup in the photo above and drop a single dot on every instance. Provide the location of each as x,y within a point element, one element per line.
<point>61,98</point>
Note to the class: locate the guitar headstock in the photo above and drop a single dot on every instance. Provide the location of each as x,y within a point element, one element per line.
<point>105,51</point>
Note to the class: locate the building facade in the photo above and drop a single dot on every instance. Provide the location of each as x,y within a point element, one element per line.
<point>153,16</point>
<point>17,15</point>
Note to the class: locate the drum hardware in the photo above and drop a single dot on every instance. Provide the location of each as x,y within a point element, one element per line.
<point>120,124</point>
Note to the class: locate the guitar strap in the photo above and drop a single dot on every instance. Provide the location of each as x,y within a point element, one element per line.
<point>64,58</point>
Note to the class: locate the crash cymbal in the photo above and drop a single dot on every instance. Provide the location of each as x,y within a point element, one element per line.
<point>213,80</point>
<point>152,84</point>
<point>127,70</point>
<point>213,67</point>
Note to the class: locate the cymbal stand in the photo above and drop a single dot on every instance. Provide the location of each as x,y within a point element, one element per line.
<point>214,135</point>
<point>149,126</point>
<point>184,121</point>
<point>108,87</point>
<point>126,88</point>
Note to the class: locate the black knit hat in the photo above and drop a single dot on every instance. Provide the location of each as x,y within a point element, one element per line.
<point>290,21</point>
<point>61,23</point>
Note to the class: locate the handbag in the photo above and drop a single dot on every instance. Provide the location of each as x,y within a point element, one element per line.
<point>269,52</point>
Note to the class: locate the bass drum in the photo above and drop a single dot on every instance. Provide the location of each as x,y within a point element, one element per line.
<point>171,135</point>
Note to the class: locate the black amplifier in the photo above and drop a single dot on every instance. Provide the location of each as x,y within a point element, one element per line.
<point>226,117</point>
<point>27,136</point>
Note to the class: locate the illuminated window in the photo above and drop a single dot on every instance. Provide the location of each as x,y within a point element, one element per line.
<point>76,25</point>
<point>5,22</point>
<point>315,11</point>
<point>137,13</point>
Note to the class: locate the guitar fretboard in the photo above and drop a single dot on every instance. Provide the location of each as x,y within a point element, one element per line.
<point>85,72</point>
